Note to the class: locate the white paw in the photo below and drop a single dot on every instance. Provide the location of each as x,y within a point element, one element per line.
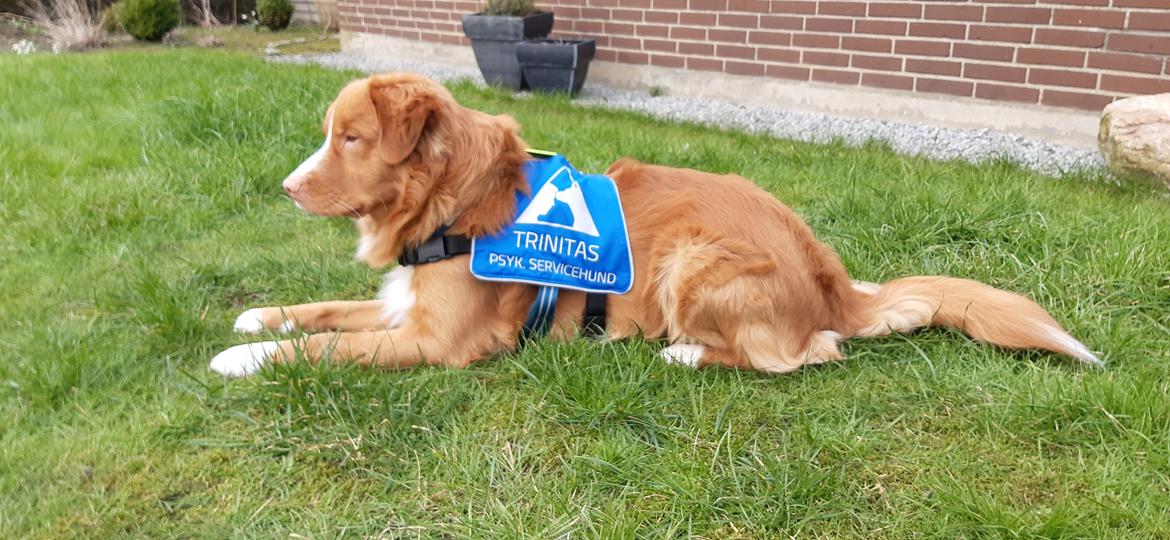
<point>249,322</point>
<point>242,360</point>
<point>683,354</point>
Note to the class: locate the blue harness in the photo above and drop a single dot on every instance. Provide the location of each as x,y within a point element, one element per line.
<point>569,233</point>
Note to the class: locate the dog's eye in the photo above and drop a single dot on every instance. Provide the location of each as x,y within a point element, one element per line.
<point>350,139</point>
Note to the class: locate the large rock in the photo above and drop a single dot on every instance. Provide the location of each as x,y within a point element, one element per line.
<point>1135,137</point>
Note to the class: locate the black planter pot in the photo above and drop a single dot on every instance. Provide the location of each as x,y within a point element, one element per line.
<point>494,38</point>
<point>554,65</point>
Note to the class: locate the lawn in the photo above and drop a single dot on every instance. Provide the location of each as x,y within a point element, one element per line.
<point>141,207</point>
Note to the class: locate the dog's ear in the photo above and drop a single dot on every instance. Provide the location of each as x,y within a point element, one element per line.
<point>325,122</point>
<point>403,109</point>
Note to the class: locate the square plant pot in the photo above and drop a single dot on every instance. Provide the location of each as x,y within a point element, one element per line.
<point>494,38</point>
<point>554,65</point>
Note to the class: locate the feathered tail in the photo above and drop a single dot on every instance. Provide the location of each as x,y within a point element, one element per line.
<point>983,312</point>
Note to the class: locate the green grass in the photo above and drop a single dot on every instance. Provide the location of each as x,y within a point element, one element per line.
<point>141,210</point>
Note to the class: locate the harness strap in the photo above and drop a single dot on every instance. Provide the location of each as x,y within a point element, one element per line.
<point>593,324</point>
<point>540,314</point>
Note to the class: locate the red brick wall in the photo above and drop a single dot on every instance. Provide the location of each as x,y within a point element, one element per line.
<point>1065,53</point>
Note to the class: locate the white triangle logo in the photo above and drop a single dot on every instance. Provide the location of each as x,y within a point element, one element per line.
<point>561,207</point>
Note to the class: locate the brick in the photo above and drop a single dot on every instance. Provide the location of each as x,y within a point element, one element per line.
<point>821,58</point>
<point>789,56</point>
<point>1134,85</point>
<point>652,30</point>
<point>1016,34</point>
<point>697,19</point>
<point>606,55</point>
<point>726,36</point>
<point>707,5</point>
<point>922,48</point>
<point>783,39</point>
<point>868,44</point>
<point>735,51</point>
<point>1125,62</point>
<point>943,30</point>
<point>620,29</point>
<point>595,13</point>
<point>628,15</point>
<point>1075,100</point>
<point>1062,77</point>
<point>1140,3</point>
<point>749,6</point>
<point>704,64</point>
<point>852,9</point>
<point>1093,18</point>
<point>619,42</point>
<point>781,22</point>
<point>890,28</point>
<point>1050,57</point>
<point>1140,43</point>
<point>665,60</point>
<point>816,41</point>
<point>802,8</point>
<point>934,67</point>
<point>670,4</point>
<point>902,10</point>
<point>823,24</point>
<point>700,49</point>
<point>991,72</point>
<point>1070,38</point>
<point>788,72</point>
<point>1101,3</point>
<point>751,69</point>
<point>659,45</point>
<point>662,17</point>
<point>739,21</point>
<point>835,76</point>
<point>1018,15</point>
<point>1001,92</point>
<point>695,34</point>
<point>1156,21</point>
<point>632,57</point>
<point>885,80</point>
<point>880,63</point>
<point>944,86</point>
<point>950,12</point>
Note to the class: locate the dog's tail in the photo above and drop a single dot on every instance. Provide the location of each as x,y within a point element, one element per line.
<point>983,312</point>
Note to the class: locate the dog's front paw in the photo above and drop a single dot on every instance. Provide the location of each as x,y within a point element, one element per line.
<point>683,354</point>
<point>243,360</point>
<point>256,320</point>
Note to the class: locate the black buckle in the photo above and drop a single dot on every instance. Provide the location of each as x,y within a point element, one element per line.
<point>432,250</point>
<point>435,249</point>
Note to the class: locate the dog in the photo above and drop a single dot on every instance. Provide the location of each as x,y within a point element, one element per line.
<point>724,272</point>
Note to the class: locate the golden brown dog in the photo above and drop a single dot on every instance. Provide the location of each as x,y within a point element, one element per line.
<point>722,270</point>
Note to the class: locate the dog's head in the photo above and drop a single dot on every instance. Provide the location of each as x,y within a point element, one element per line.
<point>403,158</point>
<point>371,130</point>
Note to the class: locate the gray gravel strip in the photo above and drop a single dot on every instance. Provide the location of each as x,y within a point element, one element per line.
<point>913,139</point>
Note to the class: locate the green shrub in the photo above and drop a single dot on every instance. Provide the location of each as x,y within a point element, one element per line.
<point>149,20</point>
<point>514,8</point>
<point>274,14</point>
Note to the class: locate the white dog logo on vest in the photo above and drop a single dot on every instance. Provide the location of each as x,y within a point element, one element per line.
<point>560,203</point>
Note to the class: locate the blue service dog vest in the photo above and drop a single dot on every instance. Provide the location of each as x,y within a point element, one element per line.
<point>569,232</point>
